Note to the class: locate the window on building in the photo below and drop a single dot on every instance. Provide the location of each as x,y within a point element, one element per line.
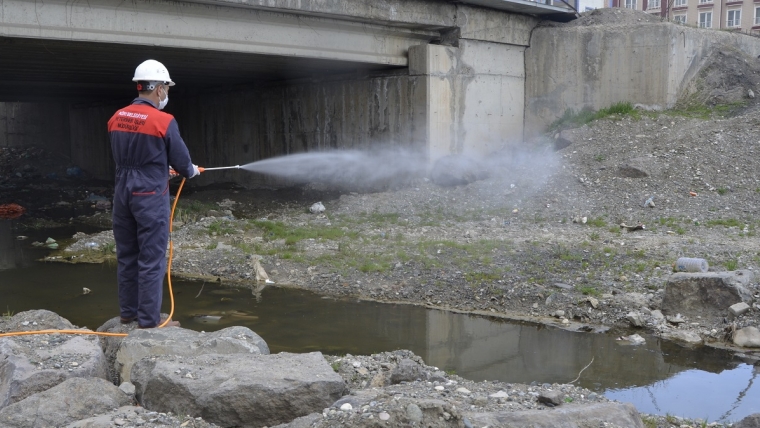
<point>757,16</point>
<point>680,3</point>
<point>705,1</point>
<point>653,4</point>
<point>679,19</point>
<point>705,19</point>
<point>734,18</point>
<point>630,4</point>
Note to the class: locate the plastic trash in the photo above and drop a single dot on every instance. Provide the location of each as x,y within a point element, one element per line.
<point>74,171</point>
<point>690,264</point>
<point>317,208</point>
<point>91,245</point>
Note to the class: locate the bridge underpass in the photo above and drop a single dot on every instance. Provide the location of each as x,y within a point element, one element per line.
<point>255,82</point>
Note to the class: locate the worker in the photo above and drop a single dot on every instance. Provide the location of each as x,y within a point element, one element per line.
<point>145,142</point>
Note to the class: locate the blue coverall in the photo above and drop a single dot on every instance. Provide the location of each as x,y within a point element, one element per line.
<point>145,142</point>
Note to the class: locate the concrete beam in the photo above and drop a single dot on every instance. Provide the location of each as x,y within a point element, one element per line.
<point>210,27</point>
<point>409,13</point>
<point>487,25</point>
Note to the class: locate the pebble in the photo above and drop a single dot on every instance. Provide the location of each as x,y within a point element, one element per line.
<point>346,407</point>
<point>500,394</point>
<point>463,390</point>
<point>439,388</point>
<point>414,413</point>
<point>384,416</point>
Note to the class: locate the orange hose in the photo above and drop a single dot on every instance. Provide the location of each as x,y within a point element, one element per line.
<point>168,277</point>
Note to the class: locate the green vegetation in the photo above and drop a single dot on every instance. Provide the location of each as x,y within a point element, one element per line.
<point>191,210</point>
<point>599,158</point>
<point>589,291</point>
<point>732,264</point>
<point>572,119</point>
<point>8,312</point>
<point>722,191</point>
<point>597,222</point>
<point>728,222</point>
<point>277,230</point>
<point>220,228</point>
<point>109,248</point>
<point>693,108</point>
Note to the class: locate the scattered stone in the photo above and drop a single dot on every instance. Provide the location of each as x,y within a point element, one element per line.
<point>593,415</point>
<point>70,401</point>
<point>684,336</point>
<point>738,309</point>
<point>127,388</point>
<point>593,301</point>
<point>407,371</point>
<point>384,416</point>
<point>677,319</point>
<point>636,319</point>
<point>463,390</point>
<point>551,398</point>
<point>346,407</point>
<point>747,337</point>
<point>500,394</point>
<point>634,339</point>
<point>414,413</point>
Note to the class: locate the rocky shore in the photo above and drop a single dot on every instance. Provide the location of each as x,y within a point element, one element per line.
<point>174,377</point>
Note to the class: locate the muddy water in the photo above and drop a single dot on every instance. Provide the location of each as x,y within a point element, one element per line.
<point>657,377</point>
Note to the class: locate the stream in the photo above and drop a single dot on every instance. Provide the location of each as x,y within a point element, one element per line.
<point>658,377</point>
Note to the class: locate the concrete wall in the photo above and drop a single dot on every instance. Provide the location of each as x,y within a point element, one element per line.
<point>245,125</point>
<point>576,67</point>
<point>35,124</point>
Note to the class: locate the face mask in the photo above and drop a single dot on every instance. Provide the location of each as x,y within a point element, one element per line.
<point>164,102</point>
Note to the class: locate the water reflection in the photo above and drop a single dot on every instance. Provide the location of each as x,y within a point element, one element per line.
<point>11,253</point>
<point>725,396</point>
<point>652,376</point>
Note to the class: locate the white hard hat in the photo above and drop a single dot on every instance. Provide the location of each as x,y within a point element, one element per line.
<point>152,71</point>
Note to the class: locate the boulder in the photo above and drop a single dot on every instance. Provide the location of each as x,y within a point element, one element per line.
<point>707,294</point>
<point>751,421</point>
<point>683,336</point>
<point>457,170</point>
<point>407,371</point>
<point>244,390</point>
<point>72,400</point>
<point>32,364</point>
<point>569,416</point>
<point>185,343</point>
<point>747,337</point>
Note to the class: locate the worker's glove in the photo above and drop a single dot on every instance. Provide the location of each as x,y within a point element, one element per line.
<point>173,173</point>
<point>196,171</point>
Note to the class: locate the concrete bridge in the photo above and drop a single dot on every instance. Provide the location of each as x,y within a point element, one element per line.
<point>260,78</point>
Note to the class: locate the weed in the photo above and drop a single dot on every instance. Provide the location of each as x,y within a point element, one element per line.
<point>599,158</point>
<point>8,312</point>
<point>732,264</point>
<point>451,372</point>
<point>479,277</point>
<point>212,245</point>
<point>649,421</point>
<point>680,230</point>
<point>728,222</point>
<point>570,118</point>
<point>594,236</point>
<point>568,399</point>
<point>722,191</point>
<point>109,248</point>
<point>278,230</point>
<point>335,366</point>
<point>597,222</point>
<point>220,228</point>
<point>589,291</point>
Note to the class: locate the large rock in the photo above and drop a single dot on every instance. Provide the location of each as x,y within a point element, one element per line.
<point>593,415</point>
<point>748,337</point>
<point>751,421</point>
<point>705,294</point>
<point>238,389</point>
<point>72,400</point>
<point>407,371</point>
<point>32,364</point>
<point>185,343</point>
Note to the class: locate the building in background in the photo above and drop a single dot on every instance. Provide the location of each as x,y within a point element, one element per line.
<point>739,15</point>
<point>586,5</point>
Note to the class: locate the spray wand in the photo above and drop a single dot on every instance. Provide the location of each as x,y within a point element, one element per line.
<point>174,173</point>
